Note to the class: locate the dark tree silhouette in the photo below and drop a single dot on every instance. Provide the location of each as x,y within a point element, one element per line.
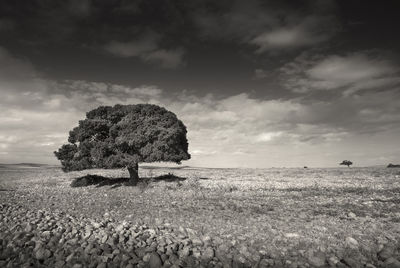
<point>347,163</point>
<point>124,136</point>
<point>393,166</point>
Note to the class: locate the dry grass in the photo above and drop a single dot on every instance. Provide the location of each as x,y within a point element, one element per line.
<point>259,208</point>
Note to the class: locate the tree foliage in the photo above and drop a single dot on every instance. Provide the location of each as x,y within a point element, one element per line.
<point>346,163</point>
<point>123,136</point>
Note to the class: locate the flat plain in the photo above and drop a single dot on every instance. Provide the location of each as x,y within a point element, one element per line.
<point>343,217</point>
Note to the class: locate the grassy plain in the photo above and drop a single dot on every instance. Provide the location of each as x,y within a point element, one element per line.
<point>276,212</point>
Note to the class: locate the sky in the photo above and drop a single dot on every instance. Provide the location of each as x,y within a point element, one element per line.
<point>257,83</point>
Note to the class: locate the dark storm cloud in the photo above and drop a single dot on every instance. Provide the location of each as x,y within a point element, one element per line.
<point>123,28</point>
<point>265,25</point>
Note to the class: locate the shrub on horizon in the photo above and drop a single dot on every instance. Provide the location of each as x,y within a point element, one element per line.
<point>393,166</point>
<point>347,163</point>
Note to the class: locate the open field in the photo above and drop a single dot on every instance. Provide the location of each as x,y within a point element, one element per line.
<point>344,217</point>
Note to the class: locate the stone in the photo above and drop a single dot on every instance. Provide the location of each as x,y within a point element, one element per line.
<point>119,228</point>
<point>164,257</point>
<point>146,257</point>
<point>292,235</point>
<point>197,242</point>
<point>70,257</point>
<point>196,253</point>
<point>87,234</point>
<point>333,261</point>
<point>46,234</point>
<point>184,252</point>
<point>59,264</point>
<point>351,215</point>
<point>351,243</point>
<point>104,238</point>
<point>266,263</point>
<point>245,252</point>
<point>40,253</point>
<point>317,259</point>
<point>154,261</point>
<point>391,263</point>
<point>140,252</point>
<point>386,252</point>
<point>102,265</point>
<point>206,239</point>
<point>208,254</point>
<point>96,225</point>
<point>28,228</point>
<point>352,262</point>
<point>173,258</point>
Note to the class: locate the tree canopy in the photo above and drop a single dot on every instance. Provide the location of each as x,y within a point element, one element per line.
<point>123,136</point>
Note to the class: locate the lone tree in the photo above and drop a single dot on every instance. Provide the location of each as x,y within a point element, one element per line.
<point>124,136</point>
<point>347,163</point>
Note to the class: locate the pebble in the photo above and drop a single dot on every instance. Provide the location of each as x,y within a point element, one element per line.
<point>292,235</point>
<point>351,242</point>
<point>386,252</point>
<point>352,215</point>
<point>208,254</point>
<point>155,261</point>
<point>183,253</point>
<point>391,262</point>
<point>333,260</point>
<point>102,265</point>
<point>317,259</point>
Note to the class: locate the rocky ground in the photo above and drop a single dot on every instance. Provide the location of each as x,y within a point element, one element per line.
<point>45,223</point>
<point>55,239</point>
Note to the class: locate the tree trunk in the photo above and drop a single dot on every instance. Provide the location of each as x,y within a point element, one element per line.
<point>133,174</point>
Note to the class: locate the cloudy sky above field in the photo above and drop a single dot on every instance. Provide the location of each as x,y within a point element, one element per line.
<point>257,83</point>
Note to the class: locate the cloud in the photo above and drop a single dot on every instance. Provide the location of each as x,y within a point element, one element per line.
<point>80,8</point>
<point>267,136</point>
<point>349,73</point>
<point>260,74</point>
<point>168,59</point>
<point>139,47</point>
<point>351,68</point>
<point>147,49</point>
<point>307,33</point>
<point>268,26</point>
<point>6,25</point>
<point>15,69</point>
<point>202,153</point>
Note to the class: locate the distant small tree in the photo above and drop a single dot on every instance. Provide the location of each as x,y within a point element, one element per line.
<point>124,136</point>
<point>347,163</point>
<point>393,166</point>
